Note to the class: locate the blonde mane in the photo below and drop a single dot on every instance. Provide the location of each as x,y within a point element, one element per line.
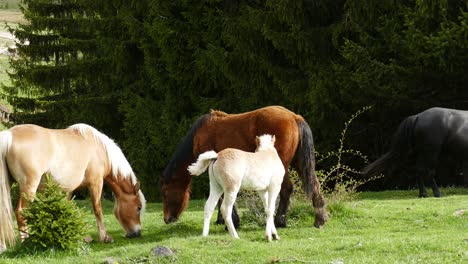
<point>217,113</point>
<point>119,163</point>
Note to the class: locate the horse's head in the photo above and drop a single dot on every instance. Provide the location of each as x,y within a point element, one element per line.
<point>265,142</point>
<point>175,192</point>
<point>128,208</point>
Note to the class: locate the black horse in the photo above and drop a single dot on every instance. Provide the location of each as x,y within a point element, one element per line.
<point>426,136</point>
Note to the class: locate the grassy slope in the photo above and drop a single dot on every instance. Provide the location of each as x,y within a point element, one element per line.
<point>381,227</point>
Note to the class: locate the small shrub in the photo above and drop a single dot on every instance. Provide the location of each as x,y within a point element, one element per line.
<point>54,222</point>
<point>255,213</point>
<point>340,181</point>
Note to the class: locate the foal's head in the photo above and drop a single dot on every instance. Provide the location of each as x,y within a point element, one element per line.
<point>265,142</point>
<point>129,206</point>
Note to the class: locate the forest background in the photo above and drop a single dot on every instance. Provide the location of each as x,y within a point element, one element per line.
<point>143,71</point>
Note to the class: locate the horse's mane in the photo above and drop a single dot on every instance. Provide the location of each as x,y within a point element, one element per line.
<point>185,148</point>
<point>218,113</point>
<point>119,163</point>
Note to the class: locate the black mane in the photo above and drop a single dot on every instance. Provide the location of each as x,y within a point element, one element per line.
<point>184,150</point>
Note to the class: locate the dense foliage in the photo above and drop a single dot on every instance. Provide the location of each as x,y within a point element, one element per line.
<point>54,222</point>
<point>142,71</point>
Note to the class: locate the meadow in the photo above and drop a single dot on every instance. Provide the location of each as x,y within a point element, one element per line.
<point>376,227</point>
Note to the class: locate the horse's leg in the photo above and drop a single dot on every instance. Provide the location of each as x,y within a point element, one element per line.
<point>421,170</point>
<point>264,196</point>
<point>427,163</point>
<point>285,194</point>
<point>22,227</point>
<point>272,195</point>
<point>219,218</point>
<point>226,210</point>
<point>215,194</point>
<point>435,188</point>
<point>29,189</point>
<point>422,189</point>
<point>95,191</point>
<point>235,215</point>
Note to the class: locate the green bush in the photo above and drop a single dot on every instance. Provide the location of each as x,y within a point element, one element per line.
<point>54,222</point>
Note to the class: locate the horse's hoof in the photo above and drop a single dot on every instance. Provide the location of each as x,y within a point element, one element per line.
<point>321,217</point>
<point>2,248</point>
<point>276,237</point>
<point>108,239</point>
<point>438,195</point>
<point>280,221</point>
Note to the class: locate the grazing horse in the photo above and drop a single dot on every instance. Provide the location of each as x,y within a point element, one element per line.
<point>233,169</point>
<point>425,136</point>
<point>77,156</point>
<point>218,130</point>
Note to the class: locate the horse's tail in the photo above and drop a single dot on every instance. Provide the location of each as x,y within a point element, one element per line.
<point>7,232</point>
<point>400,148</point>
<point>203,162</point>
<point>305,157</point>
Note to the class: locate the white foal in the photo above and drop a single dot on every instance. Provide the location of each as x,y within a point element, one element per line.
<point>233,169</point>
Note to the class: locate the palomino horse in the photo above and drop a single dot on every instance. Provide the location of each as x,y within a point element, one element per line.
<point>425,136</point>
<point>77,156</point>
<point>218,130</point>
<point>233,169</point>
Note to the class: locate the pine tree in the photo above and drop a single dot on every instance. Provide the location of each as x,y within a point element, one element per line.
<point>61,76</point>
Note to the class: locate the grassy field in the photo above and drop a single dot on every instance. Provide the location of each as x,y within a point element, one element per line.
<point>379,227</point>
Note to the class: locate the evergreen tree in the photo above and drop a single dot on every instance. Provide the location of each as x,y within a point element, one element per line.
<point>61,76</point>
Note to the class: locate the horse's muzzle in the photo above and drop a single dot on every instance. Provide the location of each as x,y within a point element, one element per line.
<point>170,220</point>
<point>134,234</point>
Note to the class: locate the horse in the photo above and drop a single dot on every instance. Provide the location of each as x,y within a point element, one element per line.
<point>426,136</point>
<point>233,169</point>
<point>219,130</point>
<point>77,156</point>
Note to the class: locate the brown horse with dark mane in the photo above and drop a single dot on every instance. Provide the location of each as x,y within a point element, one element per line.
<point>218,130</point>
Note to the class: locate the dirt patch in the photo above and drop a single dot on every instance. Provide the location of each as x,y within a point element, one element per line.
<point>11,16</point>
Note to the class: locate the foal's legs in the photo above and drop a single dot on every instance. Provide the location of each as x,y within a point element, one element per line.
<point>226,209</point>
<point>215,193</point>
<point>270,229</point>
<point>235,215</point>
<point>95,191</point>
<point>270,224</point>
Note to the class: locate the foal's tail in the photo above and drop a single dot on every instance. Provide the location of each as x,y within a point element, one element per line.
<point>7,232</point>
<point>203,162</point>
<point>400,148</point>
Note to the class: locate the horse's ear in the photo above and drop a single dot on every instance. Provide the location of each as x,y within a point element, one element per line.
<point>136,188</point>
<point>273,139</point>
<point>257,141</point>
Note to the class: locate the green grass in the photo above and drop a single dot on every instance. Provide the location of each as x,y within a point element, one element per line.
<point>9,4</point>
<point>377,227</point>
